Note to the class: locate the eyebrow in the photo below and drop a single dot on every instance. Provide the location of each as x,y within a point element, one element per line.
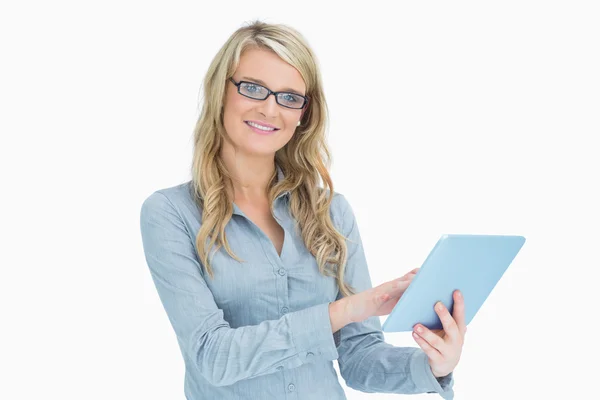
<point>264,84</point>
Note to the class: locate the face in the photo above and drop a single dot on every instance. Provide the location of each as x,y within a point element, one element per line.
<point>277,75</point>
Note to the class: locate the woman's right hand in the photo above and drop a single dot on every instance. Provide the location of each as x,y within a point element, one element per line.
<point>379,300</point>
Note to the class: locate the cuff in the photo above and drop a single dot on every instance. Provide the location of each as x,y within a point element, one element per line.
<point>424,379</point>
<point>311,333</point>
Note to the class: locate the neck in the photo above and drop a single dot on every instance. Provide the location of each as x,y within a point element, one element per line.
<point>250,175</point>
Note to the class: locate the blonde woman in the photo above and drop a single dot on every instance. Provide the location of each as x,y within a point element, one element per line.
<point>260,270</point>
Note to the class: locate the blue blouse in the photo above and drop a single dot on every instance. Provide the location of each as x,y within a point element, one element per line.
<point>260,329</point>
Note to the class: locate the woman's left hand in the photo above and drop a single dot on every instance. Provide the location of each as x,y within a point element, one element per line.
<point>444,346</point>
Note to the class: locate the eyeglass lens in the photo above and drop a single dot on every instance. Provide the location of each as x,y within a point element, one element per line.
<point>259,92</point>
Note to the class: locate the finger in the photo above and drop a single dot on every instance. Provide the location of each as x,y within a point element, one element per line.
<point>398,287</point>
<point>428,349</point>
<point>393,288</point>
<point>440,332</point>
<point>432,339</point>
<point>459,312</point>
<point>410,274</point>
<point>399,281</point>
<point>448,322</point>
<point>384,297</point>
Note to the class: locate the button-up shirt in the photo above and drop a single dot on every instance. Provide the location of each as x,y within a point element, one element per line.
<point>261,328</point>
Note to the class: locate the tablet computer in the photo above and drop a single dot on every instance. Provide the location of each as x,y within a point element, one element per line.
<point>472,264</point>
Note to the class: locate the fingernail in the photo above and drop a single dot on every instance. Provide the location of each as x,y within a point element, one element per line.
<point>459,295</point>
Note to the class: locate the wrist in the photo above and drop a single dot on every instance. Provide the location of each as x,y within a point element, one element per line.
<point>346,315</point>
<point>338,314</point>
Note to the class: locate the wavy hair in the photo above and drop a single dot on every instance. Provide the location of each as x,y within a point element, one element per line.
<point>304,159</point>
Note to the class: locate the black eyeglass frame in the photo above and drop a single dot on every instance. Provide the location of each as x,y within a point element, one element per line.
<point>270,92</point>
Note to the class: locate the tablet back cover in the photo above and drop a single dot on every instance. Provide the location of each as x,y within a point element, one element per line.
<point>471,263</point>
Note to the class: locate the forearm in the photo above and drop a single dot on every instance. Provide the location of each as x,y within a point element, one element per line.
<point>225,355</point>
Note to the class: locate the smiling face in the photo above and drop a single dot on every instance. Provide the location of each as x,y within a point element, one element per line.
<point>276,75</point>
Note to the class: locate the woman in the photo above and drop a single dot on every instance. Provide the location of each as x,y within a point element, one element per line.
<point>250,257</point>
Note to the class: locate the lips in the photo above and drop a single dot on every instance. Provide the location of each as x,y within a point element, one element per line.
<point>262,124</point>
<point>260,131</point>
<point>274,129</point>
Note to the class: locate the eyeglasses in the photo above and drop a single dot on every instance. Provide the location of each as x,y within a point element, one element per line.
<point>258,92</point>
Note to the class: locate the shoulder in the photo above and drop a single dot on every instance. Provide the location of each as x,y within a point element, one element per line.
<point>176,199</point>
<point>340,210</point>
<point>339,203</point>
<point>169,195</point>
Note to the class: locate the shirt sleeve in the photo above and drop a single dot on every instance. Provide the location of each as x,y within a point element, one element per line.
<point>221,354</point>
<point>367,363</point>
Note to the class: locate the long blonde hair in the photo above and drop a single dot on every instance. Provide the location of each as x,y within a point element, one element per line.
<point>304,159</point>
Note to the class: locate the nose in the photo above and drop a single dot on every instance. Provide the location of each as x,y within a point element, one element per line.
<point>269,106</point>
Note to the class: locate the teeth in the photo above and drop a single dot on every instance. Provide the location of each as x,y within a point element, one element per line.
<point>264,128</point>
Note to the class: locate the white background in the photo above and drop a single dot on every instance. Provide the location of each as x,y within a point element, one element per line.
<point>446,117</point>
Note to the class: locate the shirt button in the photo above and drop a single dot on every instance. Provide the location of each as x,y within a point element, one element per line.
<point>309,354</point>
<point>281,271</point>
<point>291,387</point>
<point>284,310</point>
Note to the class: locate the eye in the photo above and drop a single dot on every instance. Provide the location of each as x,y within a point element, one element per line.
<point>253,88</point>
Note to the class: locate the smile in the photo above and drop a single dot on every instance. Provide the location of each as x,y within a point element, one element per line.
<point>263,130</point>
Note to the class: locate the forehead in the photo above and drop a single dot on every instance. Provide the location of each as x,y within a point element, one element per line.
<point>272,71</point>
